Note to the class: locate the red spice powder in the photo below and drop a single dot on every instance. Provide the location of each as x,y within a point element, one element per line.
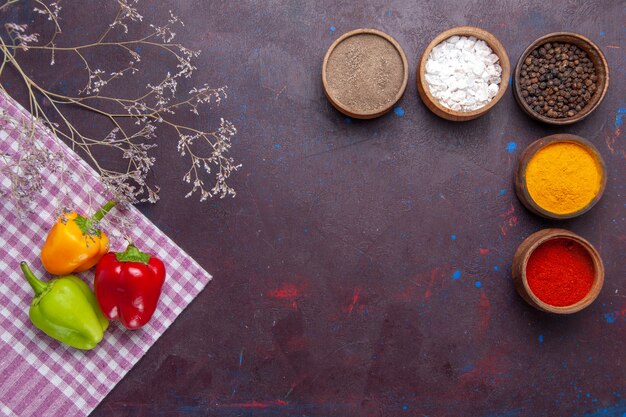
<point>560,272</point>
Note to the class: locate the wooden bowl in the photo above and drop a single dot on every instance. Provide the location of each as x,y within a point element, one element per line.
<point>352,111</point>
<point>520,260</point>
<point>521,188</point>
<point>599,62</point>
<point>432,103</point>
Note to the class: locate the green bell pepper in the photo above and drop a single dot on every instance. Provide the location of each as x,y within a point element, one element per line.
<point>66,310</point>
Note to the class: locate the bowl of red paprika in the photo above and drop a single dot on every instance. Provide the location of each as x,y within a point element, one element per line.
<point>557,271</point>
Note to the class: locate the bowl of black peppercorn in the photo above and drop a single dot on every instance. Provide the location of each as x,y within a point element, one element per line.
<point>561,78</point>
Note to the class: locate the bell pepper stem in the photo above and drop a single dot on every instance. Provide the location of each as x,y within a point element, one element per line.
<point>132,254</point>
<point>104,210</point>
<point>89,225</point>
<point>37,285</point>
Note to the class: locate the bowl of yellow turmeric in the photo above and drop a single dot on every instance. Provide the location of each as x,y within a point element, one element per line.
<point>560,176</point>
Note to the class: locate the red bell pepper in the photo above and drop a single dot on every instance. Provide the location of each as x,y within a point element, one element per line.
<point>128,285</point>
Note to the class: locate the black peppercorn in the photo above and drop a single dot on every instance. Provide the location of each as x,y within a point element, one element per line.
<point>558,80</point>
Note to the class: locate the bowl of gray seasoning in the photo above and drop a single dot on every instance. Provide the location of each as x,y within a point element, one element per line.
<point>364,73</point>
<point>561,78</point>
<point>463,73</point>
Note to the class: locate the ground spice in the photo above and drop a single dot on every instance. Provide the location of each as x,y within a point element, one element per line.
<point>563,177</point>
<point>560,272</point>
<point>365,73</point>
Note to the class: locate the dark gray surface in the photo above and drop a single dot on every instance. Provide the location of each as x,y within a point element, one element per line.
<point>354,222</point>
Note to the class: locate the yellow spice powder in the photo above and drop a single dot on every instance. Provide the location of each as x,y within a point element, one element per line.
<point>563,177</point>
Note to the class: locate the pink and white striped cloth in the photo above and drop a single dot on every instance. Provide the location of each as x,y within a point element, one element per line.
<point>38,375</point>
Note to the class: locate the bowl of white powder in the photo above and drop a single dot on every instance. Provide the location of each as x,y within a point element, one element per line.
<point>463,73</point>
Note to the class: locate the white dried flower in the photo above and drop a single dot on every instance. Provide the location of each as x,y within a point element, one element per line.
<point>206,150</point>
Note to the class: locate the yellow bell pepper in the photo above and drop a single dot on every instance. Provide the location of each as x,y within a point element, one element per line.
<point>75,243</point>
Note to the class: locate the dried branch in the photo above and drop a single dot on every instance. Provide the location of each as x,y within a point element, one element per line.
<point>150,112</point>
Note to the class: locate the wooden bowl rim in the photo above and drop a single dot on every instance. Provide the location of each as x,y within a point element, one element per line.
<point>532,149</point>
<point>374,113</point>
<point>598,282</point>
<point>497,48</point>
<point>556,37</point>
